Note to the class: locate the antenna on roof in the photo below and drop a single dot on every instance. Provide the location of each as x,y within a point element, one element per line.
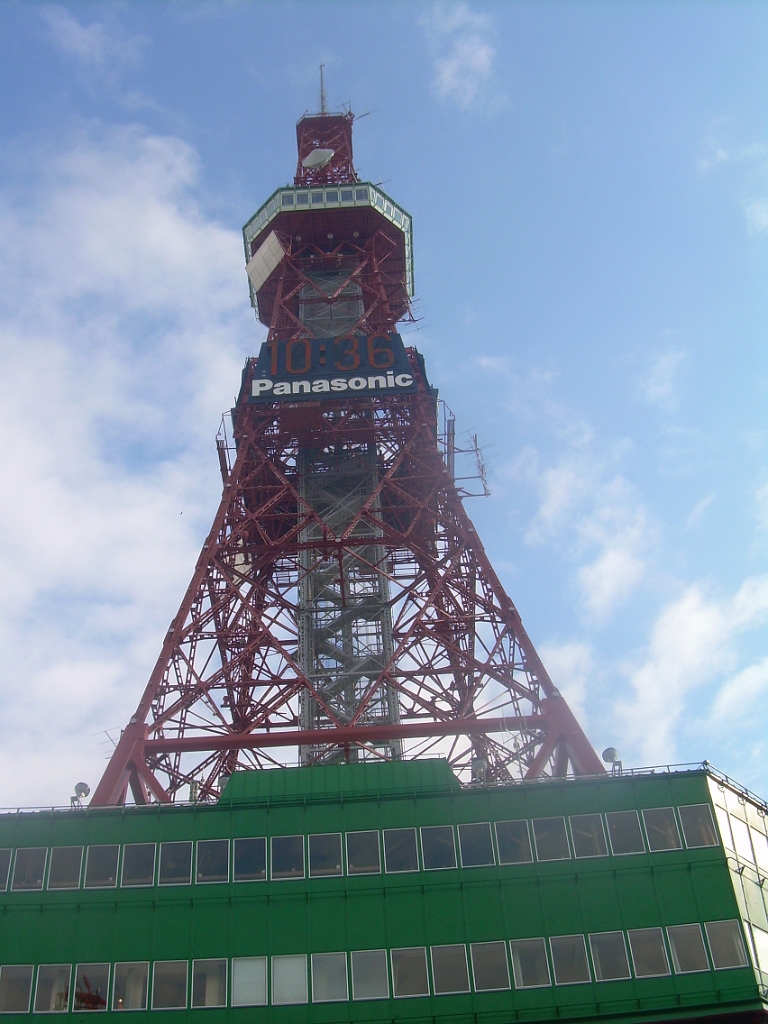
<point>322,91</point>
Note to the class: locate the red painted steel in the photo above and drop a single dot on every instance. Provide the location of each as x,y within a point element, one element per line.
<point>225,692</point>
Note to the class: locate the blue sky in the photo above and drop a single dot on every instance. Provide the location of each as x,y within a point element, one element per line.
<point>588,187</point>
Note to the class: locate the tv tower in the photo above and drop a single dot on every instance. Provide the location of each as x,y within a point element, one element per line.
<point>342,607</point>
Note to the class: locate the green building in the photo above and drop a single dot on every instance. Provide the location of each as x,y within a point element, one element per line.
<point>389,892</point>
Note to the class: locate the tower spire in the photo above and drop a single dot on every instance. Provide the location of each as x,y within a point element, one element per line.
<point>323,108</point>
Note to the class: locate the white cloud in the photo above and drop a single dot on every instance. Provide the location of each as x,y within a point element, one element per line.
<point>124,321</point>
<point>698,511</point>
<point>693,641</point>
<point>756,212</point>
<point>463,55</point>
<point>761,501</point>
<point>98,46</point>
<point>738,696</point>
<point>659,384</point>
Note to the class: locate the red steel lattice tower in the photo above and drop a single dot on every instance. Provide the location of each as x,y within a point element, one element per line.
<point>343,607</point>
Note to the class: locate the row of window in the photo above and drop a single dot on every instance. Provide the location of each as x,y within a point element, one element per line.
<point>431,847</point>
<point>368,974</point>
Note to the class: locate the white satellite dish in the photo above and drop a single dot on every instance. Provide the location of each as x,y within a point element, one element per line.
<point>317,158</point>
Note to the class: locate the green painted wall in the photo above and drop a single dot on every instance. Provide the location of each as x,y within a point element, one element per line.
<point>461,905</point>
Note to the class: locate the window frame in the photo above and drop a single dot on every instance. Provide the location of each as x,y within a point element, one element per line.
<point>238,839</point>
<point>237,959</point>
<point>364,831</point>
<point>588,856</point>
<point>175,842</point>
<point>532,938</point>
<point>401,871</point>
<point>287,878</point>
<point>31,888</point>
<point>31,968</point>
<point>473,824</point>
<point>706,846</point>
<point>293,1002</point>
<point>551,860</point>
<point>211,881</point>
<point>37,985</point>
<point>186,986</point>
<point>668,849</point>
<point>509,821</point>
<point>129,1009</point>
<point>9,851</point>
<point>744,946</point>
<point>138,885</point>
<point>444,867</point>
<point>660,931</point>
<point>574,935</point>
<point>80,877</point>
<point>627,853</point>
<point>340,999</point>
<point>596,961</point>
<point>369,999</point>
<point>206,1006</point>
<point>409,995</point>
<point>325,874</point>
<point>453,991</point>
<point>492,942</point>
<point>101,846</point>
<point>85,1009</point>
<point>673,951</point>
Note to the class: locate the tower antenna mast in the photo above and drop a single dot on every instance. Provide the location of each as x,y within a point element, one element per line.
<point>323,109</point>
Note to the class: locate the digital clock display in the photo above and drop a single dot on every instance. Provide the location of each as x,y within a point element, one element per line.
<point>312,367</point>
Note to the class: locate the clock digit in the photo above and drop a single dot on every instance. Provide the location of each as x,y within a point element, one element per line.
<point>380,354</point>
<point>352,345</point>
<point>305,348</point>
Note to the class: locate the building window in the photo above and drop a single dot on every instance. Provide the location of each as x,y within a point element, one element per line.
<point>250,860</point>
<point>400,850</point>
<point>529,963</point>
<point>624,832</point>
<point>490,969</point>
<point>588,835</point>
<point>289,979</point>
<point>65,867</point>
<point>302,199</point>
<point>409,972</point>
<point>370,979</point>
<point>175,864</point>
<point>609,955</point>
<point>569,959</point>
<point>52,990</point>
<point>698,826</point>
<point>437,847</point>
<point>514,842</point>
<point>476,845</point>
<point>287,856</point>
<point>346,195</point>
<point>209,982</point>
<point>329,978</point>
<point>331,197</point>
<point>212,860</point>
<point>287,199</point>
<point>661,829</point>
<point>101,867</point>
<point>29,868</point>
<point>249,981</point>
<point>741,839</point>
<point>131,984</point>
<point>649,956</point>
<point>169,984</point>
<point>15,988</point>
<point>688,952</point>
<point>138,864</point>
<point>449,970</point>
<point>551,839</point>
<point>91,987</point>
<point>726,944</point>
<point>5,867</point>
<point>361,195</point>
<point>325,854</point>
<point>363,856</point>
<point>760,846</point>
<point>317,197</point>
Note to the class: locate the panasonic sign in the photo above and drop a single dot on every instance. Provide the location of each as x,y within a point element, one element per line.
<point>310,368</point>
